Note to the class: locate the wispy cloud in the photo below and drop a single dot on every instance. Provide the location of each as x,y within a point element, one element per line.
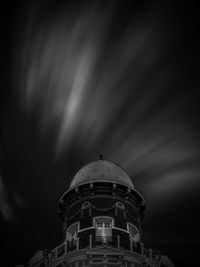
<point>110,90</point>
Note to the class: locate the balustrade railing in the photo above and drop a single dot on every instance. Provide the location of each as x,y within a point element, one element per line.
<point>94,241</point>
<point>103,240</point>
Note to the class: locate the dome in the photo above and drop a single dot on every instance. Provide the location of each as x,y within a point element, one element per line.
<point>101,170</point>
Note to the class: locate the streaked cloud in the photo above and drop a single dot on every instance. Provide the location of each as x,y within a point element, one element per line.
<point>110,90</point>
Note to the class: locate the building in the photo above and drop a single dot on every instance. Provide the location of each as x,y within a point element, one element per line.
<point>101,213</point>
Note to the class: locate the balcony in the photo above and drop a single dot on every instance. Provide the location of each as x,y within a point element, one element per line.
<point>83,244</point>
<point>92,241</point>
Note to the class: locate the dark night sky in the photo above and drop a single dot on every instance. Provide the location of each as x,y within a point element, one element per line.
<point>84,78</point>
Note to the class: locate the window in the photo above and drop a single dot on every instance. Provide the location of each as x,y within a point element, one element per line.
<point>103,227</point>
<point>107,225</point>
<point>99,225</point>
<point>133,232</point>
<point>72,232</point>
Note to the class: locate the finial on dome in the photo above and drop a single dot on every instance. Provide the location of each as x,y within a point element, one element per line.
<point>101,156</point>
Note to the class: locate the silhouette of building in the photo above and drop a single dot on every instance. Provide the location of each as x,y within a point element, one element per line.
<point>101,213</point>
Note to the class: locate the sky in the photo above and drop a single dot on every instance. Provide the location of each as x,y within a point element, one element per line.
<point>83,78</point>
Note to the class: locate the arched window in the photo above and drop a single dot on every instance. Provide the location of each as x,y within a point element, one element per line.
<point>72,231</point>
<point>133,232</point>
<point>103,228</point>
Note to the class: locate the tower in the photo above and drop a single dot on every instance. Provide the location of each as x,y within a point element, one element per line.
<point>101,213</point>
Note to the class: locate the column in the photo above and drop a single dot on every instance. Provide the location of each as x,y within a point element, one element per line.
<point>142,248</point>
<point>65,247</point>
<point>90,241</point>
<point>131,244</point>
<point>150,253</point>
<point>118,241</point>
<point>77,243</point>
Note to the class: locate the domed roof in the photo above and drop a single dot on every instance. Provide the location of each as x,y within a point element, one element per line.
<point>101,170</point>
